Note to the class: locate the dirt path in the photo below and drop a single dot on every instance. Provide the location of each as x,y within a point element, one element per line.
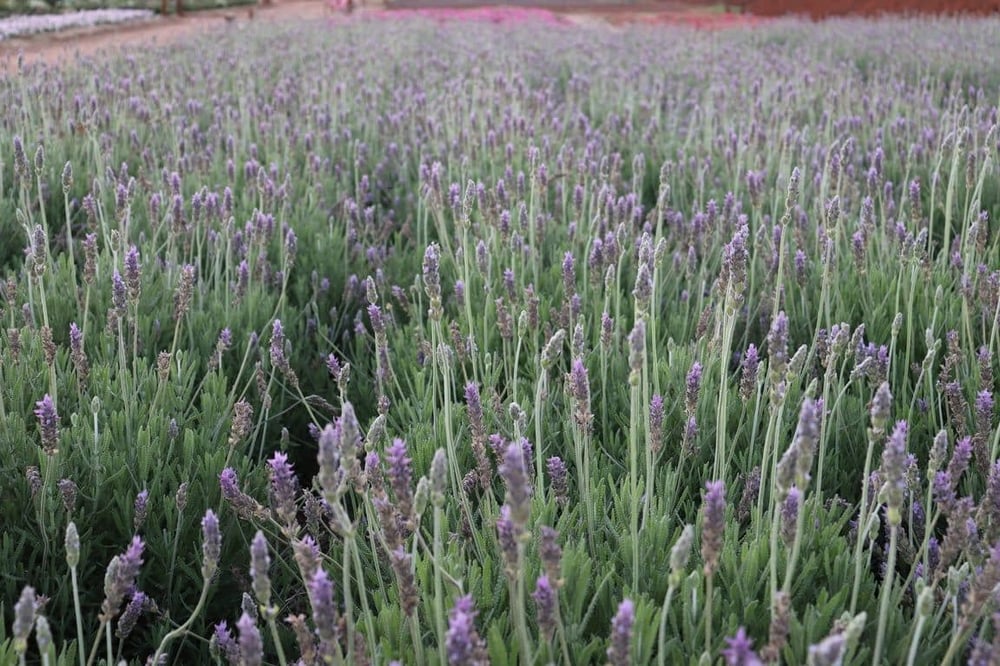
<point>65,46</point>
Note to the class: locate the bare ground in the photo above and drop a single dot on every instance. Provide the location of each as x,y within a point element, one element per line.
<point>66,46</point>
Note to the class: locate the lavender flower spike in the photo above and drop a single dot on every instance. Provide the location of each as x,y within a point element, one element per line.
<point>211,547</point>
<point>544,597</point>
<point>463,646</point>
<point>251,645</point>
<point>260,562</point>
<point>48,423</point>
<point>619,652</point>
<point>24,619</point>
<point>739,650</point>
<point>515,476</point>
<point>714,512</point>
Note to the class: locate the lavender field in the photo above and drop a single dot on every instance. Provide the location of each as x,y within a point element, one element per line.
<point>407,341</point>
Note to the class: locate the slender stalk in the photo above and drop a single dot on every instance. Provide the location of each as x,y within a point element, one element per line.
<point>862,525</point>
<point>80,643</point>
<point>886,594</point>
<point>179,631</point>
<point>633,454</point>
<point>911,655</point>
<point>661,641</point>
<point>439,615</point>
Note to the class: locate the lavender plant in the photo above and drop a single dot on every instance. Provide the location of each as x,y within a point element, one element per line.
<point>658,346</point>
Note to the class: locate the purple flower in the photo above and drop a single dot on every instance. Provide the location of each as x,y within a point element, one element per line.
<point>507,534</point>
<point>432,273</point>
<point>133,274</point>
<point>881,406</point>
<point>789,515</point>
<point>748,380</point>
<point>277,351</point>
<point>24,619</point>
<point>251,645</point>
<point>120,577</point>
<point>400,476</point>
<point>643,290</point>
<point>713,524</point>
<point>656,413</point>
<point>324,613</point>
<point>68,492</point>
<point>475,408</point>
<point>126,623</point>
<point>621,634</point>
<point>260,562</point>
<point>141,508</point>
<point>222,637</point>
<point>284,487</point>
<point>693,387</point>
<point>984,410</point>
<point>739,650</point>
<point>557,478</point>
<point>637,347</point>
<point>463,646</point>
<point>48,422</point>
<point>544,597</point>
<point>402,566</point>
<point>211,547</point>
<point>960,458</point>
<point>514,471</point>
<point>894,470</point>
<point>777,342</point>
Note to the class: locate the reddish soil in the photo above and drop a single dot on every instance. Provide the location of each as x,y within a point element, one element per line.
<point>70,45</point>
<point>819,9</point>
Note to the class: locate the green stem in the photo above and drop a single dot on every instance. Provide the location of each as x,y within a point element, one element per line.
<point>862,525</point>
<point>181,630</point>
<point>886,593</point>
<point>911,655</point>
<point>661,643</point>
<point>439,615</point>
<point>81,648</point>
<point>277,639</point>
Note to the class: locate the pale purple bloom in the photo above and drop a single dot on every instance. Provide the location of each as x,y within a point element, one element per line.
<point>141,508</point>
<point>260,562</point>
<point>324,612</point>
<point>619,652</point>
<point>400,476</point>
<point>284,488</point>
<point>129,617</point>
<point>211,544</point>
<point>24,619</point>
<point>463,646</point>
<point>739,650</point>
<point>713,525</point>
<point>251,645</point>
<point>557,478</point>
<point>514,471</point>
<point>223,638</point>
<point>693,386</point>
<point>544,597</point>
<point>48,423</point>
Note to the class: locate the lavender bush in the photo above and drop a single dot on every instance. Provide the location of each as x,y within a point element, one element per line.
<point>514,344</point>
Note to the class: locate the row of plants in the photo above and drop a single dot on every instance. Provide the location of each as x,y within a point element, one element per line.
<point>517,344</point>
